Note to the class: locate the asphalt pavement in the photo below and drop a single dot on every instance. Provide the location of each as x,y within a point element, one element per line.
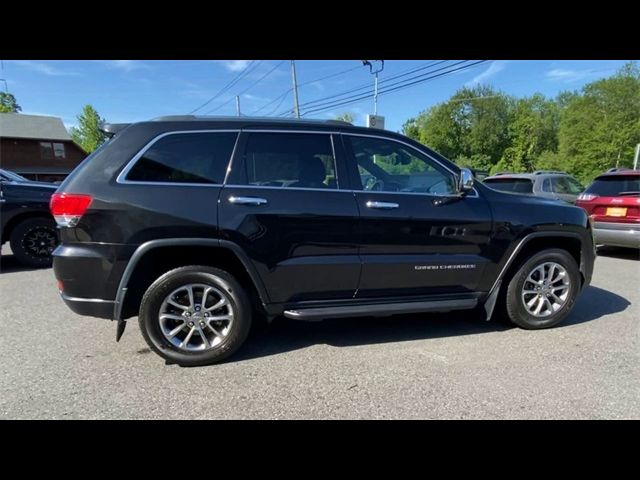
<point>56,364</point>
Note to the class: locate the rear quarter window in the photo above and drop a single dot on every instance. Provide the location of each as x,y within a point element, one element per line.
<point>185,158</point>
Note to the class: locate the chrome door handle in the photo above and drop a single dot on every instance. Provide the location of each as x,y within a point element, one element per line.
<point>248,201</point>
<point>382,205</point>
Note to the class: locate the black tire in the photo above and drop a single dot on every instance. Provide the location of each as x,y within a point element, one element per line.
<point>33,240</point>
<point>195,274</point>
<point>515,307</point>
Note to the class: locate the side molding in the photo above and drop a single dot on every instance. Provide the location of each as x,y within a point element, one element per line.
<point>184,242</point>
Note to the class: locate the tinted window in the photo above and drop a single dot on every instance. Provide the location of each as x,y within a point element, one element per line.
<point>388,166</point>
<point>290,160</point>
<point>614,185</point>
<point>566,185</point>
<point>513,185</point>
<point>186,158</point>
<point>546,185</point>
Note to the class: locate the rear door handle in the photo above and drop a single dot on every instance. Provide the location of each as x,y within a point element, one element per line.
<point>382,205</point>
<point>248,201</point>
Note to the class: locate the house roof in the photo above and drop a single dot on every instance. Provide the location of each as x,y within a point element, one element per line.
<point>18,125</point>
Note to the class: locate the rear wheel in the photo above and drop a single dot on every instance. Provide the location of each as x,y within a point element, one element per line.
<point>33,240</point>
<point>195,315</point>
<point>543,290</point>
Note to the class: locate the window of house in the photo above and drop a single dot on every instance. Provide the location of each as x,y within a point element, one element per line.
<point>46,151</point>
<point>58,150</point>
<point>186,158</point>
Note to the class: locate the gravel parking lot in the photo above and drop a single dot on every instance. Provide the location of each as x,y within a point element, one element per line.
<point>55,364</point>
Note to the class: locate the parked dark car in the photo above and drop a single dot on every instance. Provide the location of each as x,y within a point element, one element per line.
<point>195,223</point>
<point>543,183</point>
<point>613,202</point>
<point>25,218</point>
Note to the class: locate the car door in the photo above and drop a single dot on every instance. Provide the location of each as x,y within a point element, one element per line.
<point>287,204</point>
<point>418,237</point>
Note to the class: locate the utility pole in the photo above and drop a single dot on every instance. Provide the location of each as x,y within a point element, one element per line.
<point>296,107</point>
<point>238,105</point>
<point>635,160</point>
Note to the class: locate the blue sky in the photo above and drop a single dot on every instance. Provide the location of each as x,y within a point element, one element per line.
<point>134,90</point>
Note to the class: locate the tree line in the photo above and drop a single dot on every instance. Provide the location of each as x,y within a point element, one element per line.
<point>582,132</point>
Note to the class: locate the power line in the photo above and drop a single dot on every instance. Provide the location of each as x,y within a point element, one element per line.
<point>284,94</point>
<point>229,85</point>
<point>281,101</point>
<point>323,101</point>
<point>366,86</point>
<point>248,88</point>
<point>390,90</point>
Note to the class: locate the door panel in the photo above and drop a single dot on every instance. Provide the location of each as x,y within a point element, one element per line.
<point>297,227</point>
<point>413,243</point>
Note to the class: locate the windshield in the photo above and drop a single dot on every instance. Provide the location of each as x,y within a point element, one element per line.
<point>513,185</point>
<point>14,177</point>
<point>614,185</point>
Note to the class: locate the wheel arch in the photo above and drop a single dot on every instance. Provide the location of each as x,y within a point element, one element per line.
<point>528,245</point>
<point>155,257</point>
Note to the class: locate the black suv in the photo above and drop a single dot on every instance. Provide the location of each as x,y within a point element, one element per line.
<point>195,223</point>
<point>25,220</point>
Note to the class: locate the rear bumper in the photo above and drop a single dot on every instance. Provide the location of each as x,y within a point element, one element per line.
<point>92,307</point>
<point>617,234</point>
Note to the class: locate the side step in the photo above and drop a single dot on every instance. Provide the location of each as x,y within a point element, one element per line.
<point>380,309</point>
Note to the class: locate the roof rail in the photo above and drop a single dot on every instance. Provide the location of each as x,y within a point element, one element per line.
<point>179,118</point>
<point>619,169</point>
<point>541,172</point>
<point>502,173</point>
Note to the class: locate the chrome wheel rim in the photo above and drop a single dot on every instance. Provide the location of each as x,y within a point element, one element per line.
<point>196,317</point>
<point>40,242</point>
<point>546,289</point>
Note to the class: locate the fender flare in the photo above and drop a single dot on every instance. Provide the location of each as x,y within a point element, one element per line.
<point>185,242</point>
<point>492,296</point>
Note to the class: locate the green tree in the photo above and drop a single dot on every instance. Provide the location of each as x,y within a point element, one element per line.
<point>346,117</point>
<point>600,128</point>
<point>8,103</point>
<point>470,128</point>
<point>87,134</point>
<point>533,130</point>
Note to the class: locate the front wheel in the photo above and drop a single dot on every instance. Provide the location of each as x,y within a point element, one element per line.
<point>195,315</point>
<point>543,290</point>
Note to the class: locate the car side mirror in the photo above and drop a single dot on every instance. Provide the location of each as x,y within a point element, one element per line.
<point>465,183</point>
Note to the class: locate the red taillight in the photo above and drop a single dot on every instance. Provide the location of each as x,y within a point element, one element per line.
<point>60,285</point>
<point>68,208</point>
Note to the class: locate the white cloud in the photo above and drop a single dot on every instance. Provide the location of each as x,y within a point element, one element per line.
<point>45,68</point>
<point>126,65</point>
<point>567,76</point>
<point>235,65</point>
<point>495,68</point>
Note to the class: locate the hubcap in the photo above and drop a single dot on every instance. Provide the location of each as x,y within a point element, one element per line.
<point>546,289</point>
<point>40,242</point>
<point>196,317</point>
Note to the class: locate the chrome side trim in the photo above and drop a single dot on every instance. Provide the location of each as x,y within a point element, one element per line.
<point>268,187</point>
<point>121,178</point>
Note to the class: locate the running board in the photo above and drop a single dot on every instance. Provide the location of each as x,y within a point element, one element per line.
<point>380,309</point>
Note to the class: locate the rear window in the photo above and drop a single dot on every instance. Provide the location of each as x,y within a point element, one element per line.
<point>614,185</point>
<point>513,185</point>
<point>185,158</point>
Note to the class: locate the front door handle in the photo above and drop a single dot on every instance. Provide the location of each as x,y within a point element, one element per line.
<point>382,205</point>
<point>248,201</point>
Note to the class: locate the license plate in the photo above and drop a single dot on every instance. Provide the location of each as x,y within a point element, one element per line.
<point>616,212</point>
